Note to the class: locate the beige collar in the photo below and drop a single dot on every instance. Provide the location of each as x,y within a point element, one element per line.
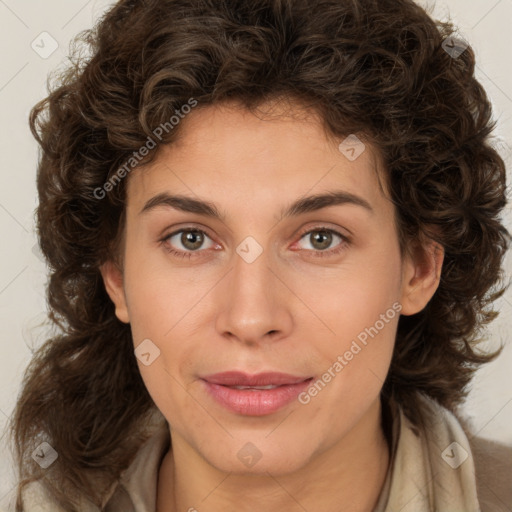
<point>431,469</point>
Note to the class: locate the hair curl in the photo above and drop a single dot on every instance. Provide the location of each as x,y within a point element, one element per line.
<point>370,67</point>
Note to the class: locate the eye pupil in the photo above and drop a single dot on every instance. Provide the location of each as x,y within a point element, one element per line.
<point>318,236</point>
<point>192,239</point>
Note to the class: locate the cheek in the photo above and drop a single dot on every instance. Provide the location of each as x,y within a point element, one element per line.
<point>353,364</point>
<point>164,306</point>
<point>165,384</point>
<point>159,296</point>
<point>360,306</point>
<point>351,298</point>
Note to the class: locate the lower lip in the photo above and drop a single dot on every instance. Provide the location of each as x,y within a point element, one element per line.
<point>258,402</point>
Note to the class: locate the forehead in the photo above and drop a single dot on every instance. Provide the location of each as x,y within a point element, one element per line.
<point>228,151</point>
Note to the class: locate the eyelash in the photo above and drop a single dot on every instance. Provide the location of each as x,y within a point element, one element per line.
<point>316,253</point>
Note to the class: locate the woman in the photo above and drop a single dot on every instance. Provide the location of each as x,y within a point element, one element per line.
<point>274,236</point>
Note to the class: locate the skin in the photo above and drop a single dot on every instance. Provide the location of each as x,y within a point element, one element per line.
<point>288,311</point>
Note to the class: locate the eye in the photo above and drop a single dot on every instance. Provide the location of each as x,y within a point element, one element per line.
<point>190,242</point>
<point>321,239</point>
<point>185,242</point>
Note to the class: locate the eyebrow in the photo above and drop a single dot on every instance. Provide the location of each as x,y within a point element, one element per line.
<point>301,206</point>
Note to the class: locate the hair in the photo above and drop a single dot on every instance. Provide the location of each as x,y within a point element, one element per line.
<point>375,68</point>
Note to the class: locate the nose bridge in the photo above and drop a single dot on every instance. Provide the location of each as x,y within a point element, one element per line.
<point>251,273</point>
<point>253,305</point>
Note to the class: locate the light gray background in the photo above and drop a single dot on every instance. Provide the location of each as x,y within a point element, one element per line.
<point>486,24</point>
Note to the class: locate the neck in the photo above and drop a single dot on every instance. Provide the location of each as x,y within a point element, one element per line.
<point>347,476</point>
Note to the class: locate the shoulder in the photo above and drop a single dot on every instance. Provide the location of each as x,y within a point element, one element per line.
<point>493,468</point>
<point>491,460</point>
<point>35,498</point>
<point>136,485</point>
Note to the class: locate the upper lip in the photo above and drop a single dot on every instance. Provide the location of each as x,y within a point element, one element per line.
<point>236,378</point>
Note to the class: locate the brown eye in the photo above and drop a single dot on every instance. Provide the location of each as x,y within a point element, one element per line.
<point>188,240</point>
<point>321,240</point>
<point>192,239</point>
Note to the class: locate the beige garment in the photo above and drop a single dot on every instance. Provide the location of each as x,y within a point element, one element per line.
<point>431,470</point>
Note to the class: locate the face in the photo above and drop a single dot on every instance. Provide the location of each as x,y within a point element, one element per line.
<point>312,291</point>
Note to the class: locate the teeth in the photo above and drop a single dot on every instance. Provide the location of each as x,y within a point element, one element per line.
<point>270,386</point>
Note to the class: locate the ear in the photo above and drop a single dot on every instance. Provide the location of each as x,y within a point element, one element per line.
<point>421,274</point>
<point>113,280</point>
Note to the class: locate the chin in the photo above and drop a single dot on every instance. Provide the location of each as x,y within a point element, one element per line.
<point>253,458</point>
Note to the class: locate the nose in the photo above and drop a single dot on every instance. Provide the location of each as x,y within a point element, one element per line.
<point>253,303</point>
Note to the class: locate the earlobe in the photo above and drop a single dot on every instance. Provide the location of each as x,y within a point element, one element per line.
<point>421,276</point>
<point>114,285</point>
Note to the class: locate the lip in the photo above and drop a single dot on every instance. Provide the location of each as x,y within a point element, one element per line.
<point>254,402</point>
<point>236,378</point>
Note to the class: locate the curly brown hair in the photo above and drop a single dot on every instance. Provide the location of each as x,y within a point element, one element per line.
<point>372,67</point>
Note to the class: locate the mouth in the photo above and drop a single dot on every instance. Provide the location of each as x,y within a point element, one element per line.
<point>254,395</point>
